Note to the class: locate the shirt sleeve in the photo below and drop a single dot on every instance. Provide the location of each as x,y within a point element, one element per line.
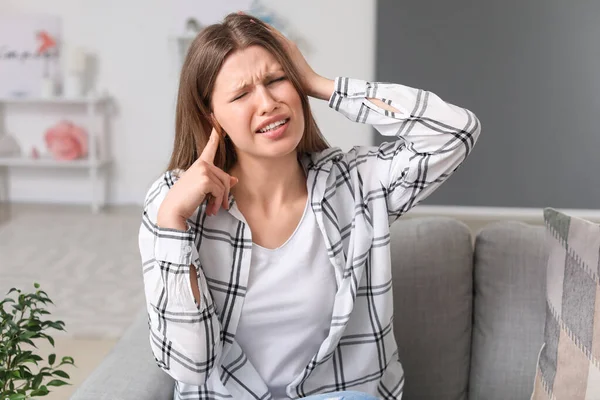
<point>432,139</point>
<point>184,335</point>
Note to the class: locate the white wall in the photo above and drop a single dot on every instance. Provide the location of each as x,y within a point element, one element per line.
<point>137,67</point>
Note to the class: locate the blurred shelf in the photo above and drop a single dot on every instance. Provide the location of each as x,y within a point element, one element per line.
<point>96,108</point>
<point>50,162</point>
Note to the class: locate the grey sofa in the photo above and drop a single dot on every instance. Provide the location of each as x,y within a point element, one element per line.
<point>469,317</point>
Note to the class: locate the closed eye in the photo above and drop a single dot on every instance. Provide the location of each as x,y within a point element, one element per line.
<point>239,97</point>
<point>278,80</point>
<point>268,83</point>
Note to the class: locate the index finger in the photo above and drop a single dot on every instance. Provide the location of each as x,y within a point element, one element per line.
<point>210,150</point>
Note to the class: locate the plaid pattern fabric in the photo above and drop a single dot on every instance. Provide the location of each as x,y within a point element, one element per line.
<point>354,196</point>
<point>569,362</point>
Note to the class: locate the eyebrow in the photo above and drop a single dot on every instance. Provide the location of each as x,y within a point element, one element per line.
<point>266,77</point>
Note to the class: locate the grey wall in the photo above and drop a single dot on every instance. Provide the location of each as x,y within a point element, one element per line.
<point>530,70</point>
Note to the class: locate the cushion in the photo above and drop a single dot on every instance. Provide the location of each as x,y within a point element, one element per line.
<point>569,361</point>
<point>432,282</point>
<point>509,310</point>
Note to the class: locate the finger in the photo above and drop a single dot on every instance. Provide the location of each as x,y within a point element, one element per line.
<point>226,180</point>
<point>223,199</point>
<point>222,175</point>
<point>277,33</point>
<point>214,206</point>
<point>215,191</point>
<point>210,150</point>
<point>231,182</point>
<point>217,202</point>
<point>225,203</point>
<point>210,201</point>
<point>216,199</point>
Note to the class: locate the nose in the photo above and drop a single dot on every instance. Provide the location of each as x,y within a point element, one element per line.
<point>266,102</point>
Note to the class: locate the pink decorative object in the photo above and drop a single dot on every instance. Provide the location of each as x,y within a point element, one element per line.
<point>67,141</point>
<point>35,154</point>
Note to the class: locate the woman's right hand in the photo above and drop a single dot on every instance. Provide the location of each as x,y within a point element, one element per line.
<point>194,185</point>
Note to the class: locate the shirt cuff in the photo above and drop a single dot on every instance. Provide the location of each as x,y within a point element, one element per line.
<point>174,246</point>
<point>348,95</point>
<point>353,88</point>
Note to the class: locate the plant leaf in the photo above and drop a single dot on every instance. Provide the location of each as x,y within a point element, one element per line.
<point>68,360</point>
<point>62,374</point>
<point>42,391</point>
<point>22,323</point>
<point>29,342</point>
<point>56,382</point>
<point>37,381</point>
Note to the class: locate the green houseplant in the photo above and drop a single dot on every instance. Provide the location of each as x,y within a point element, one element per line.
<point>22,321</point>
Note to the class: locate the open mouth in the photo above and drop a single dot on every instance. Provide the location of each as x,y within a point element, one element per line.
<point>274,126</point>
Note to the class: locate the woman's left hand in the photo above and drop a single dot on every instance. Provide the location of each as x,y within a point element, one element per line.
<point>314,84</point>
<point>308,75</point>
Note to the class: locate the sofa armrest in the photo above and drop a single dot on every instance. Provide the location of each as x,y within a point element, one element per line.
<point>129,371</point>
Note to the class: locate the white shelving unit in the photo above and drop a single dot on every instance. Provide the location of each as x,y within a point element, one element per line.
<point>96,109</point>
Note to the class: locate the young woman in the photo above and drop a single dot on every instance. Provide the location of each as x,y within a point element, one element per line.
<point>266,253</point>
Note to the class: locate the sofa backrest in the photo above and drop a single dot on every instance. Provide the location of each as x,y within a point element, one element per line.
<point>509,310</point>
<point>432,282</point>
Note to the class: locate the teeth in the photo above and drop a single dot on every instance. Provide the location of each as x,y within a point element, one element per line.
<point>273,125</point>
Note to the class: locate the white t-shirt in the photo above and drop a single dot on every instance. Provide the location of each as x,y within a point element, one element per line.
<point>288,306</point>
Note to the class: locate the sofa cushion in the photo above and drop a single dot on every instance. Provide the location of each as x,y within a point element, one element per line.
<point>509,310</point>
<point>432,283</point>
<point>569,363</point>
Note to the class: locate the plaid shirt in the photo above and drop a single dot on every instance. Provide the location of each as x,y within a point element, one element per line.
<point>355,196</point>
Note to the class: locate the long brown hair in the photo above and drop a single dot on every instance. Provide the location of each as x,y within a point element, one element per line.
<point>203,62</point>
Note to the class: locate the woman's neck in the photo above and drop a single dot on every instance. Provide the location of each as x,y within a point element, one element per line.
<point>269,183</point>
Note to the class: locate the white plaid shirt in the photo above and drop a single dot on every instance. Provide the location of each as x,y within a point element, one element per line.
<point>355,196</point>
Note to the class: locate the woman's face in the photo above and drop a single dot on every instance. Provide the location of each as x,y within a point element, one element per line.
<point>257,106</point>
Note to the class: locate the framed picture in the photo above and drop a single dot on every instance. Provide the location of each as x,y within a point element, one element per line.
<point>29,54</point>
